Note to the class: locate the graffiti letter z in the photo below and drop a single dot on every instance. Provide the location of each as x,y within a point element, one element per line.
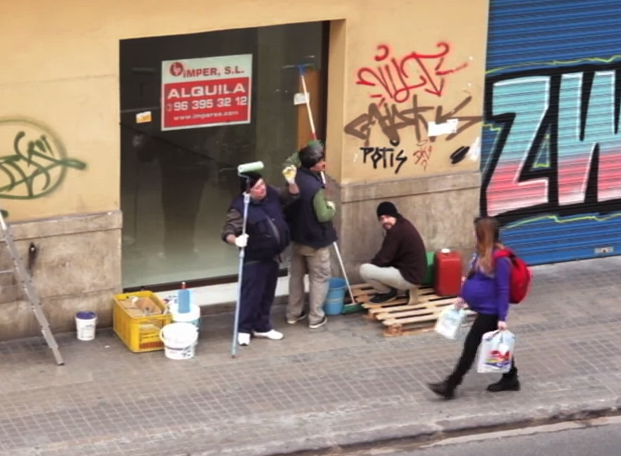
<point>526,100</point>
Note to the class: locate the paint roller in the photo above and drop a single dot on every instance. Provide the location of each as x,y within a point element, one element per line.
<point>253,167</point>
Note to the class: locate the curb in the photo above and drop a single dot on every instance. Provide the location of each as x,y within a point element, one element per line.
<point>419,433</point>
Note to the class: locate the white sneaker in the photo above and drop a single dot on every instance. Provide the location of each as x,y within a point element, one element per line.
<point>271,335</point>
<point>243,339</point>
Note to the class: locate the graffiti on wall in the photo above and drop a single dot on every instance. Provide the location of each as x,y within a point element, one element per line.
<point>398,78</point>
<point>399,85</point>
<point>557,147</point>
<point>33,160</point>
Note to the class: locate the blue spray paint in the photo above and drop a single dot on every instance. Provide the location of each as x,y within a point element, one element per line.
<point>183,298</point>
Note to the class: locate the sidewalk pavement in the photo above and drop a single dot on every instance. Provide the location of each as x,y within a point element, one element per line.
<point>344,383</point>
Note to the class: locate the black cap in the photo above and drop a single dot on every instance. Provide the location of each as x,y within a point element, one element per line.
<point>249,180</point>
<point>387,208</point>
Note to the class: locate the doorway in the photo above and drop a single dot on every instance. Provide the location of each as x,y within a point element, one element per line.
<point>228,99</point>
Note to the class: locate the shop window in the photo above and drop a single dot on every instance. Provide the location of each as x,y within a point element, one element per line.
<point>193,107</point>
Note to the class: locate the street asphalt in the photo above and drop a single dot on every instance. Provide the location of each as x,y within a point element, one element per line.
<point>596,437</point>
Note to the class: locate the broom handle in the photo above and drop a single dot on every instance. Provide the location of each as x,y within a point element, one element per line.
<point>308,106</point>
<point>338,256</point>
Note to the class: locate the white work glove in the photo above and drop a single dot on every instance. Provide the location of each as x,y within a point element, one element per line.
<point>289,173</point>
<point>331,205</point>
<point>241,241</point>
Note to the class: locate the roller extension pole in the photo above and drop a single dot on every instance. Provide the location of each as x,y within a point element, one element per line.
<point>240,275</point>
<point>241,171</point>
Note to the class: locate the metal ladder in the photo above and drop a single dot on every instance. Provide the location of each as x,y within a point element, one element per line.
<point>23,276</point>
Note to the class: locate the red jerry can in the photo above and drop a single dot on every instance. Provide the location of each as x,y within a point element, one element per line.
<point>447,280</point>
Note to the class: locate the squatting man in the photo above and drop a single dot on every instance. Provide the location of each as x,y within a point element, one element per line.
<point>400,265</point>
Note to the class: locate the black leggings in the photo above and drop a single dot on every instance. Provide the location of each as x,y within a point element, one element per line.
<point>482,324</point>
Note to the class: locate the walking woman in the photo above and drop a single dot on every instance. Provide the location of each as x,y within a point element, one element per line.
<point>486,291</point>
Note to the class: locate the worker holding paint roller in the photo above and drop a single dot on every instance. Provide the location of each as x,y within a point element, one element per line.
<point>312,235</point>
<point>266,237</point>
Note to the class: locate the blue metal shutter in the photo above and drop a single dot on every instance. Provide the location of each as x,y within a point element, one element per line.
<point>551,155</point>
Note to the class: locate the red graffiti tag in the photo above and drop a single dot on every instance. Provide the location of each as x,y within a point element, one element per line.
<point>396,80</point>
<point>422,154</point>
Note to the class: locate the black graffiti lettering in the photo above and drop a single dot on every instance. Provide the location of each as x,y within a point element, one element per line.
<point>464,122</point>
<point>459,155</point>
<point>391,121</point>
<point>386,157</point>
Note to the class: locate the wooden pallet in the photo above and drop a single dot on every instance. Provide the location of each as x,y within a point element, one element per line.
<point>401,318</point>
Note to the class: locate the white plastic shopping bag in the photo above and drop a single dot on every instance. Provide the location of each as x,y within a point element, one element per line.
<point>496,352</point>
<point>449,322</point>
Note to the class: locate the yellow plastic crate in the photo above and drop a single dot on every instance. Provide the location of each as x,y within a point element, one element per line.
<point>140,334</point>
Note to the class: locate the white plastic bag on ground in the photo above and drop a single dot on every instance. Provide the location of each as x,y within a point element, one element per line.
<point>496,352</point>
<point>449,322</point>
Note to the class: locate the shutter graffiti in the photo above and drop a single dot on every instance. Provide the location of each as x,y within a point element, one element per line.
<point>556,147</point>
<point>551,151</point>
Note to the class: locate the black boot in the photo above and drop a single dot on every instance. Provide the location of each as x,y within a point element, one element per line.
<point>381,298</point>
<point>443,389</point>
<point>505,384</point>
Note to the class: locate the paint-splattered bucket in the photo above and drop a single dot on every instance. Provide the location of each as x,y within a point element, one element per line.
<point>180,340</point>
<point>86,323</point>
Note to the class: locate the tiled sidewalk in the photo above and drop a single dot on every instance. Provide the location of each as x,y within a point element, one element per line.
<point>343,383</point>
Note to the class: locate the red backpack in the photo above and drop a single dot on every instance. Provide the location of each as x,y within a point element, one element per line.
<point>521,276</point>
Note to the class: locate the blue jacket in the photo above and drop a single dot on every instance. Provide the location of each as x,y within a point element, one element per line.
<point>489,294</point>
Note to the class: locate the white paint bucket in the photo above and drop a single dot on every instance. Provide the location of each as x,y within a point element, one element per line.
<point>180,340</point>
<point>193,316</point>
<point>85,323</point>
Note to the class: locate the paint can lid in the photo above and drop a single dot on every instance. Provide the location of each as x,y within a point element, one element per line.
<point>86,315</point>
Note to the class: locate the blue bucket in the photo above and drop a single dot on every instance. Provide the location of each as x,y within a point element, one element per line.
<point>336,295</point>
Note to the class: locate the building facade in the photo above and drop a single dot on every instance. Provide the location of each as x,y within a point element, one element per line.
<point>122,125</point>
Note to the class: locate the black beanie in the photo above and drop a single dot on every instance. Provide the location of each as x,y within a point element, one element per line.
<point>249,180</point>
<point>387,208</point>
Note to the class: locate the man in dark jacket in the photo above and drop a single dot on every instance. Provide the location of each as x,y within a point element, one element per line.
<point>312,234</point>
<point>401,263</point>
<point>267,236</point>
